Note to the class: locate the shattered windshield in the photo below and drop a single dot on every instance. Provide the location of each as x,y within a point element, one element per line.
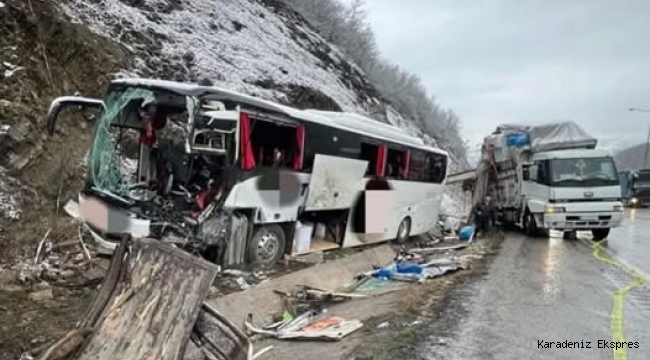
<point>134,119</point>
<point>584,172</point>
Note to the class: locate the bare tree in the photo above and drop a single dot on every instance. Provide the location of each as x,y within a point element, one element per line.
<point>347,27</point>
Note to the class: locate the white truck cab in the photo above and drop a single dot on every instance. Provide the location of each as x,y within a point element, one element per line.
<point>572,190</point>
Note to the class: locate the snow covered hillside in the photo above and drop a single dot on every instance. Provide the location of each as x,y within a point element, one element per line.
<point>261,48</point>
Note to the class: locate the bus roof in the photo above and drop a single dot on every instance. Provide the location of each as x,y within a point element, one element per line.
<point>343,120</point>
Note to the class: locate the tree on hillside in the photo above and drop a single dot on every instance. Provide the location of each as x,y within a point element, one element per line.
<point>348,28</point>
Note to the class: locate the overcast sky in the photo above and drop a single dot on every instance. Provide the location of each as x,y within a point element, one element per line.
<point>504,61</point>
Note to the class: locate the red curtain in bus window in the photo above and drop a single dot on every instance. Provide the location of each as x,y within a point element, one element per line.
<point>246,148</point>
<point>406,157</point>
<point>382,151</point>
<point>300,138</point>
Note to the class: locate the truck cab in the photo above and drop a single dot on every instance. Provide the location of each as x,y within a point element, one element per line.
<point>572,190</point>
<point>635,186</point>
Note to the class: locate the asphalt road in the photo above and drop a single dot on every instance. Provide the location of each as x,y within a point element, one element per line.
<point>546,290</point>
<point>631,242</point>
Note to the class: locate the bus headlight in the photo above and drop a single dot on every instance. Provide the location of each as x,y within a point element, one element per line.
<point>549,209</point>
<point>618,207</point>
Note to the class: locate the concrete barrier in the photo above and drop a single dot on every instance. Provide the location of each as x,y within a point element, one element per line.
<point>262,302</point>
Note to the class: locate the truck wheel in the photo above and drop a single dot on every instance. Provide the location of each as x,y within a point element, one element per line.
<point>267,245</point>
<point>404,230</point>
<point>569,235</point>
<point>599,234</point>
<point>530,227</point>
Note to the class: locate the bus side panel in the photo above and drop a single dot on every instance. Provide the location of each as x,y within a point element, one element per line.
<point>427,198</point>
<point>274,206</point>
<point>418,200</point>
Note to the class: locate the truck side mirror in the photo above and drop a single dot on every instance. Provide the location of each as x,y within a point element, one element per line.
<point>63,102</point>
<point>526,173</point>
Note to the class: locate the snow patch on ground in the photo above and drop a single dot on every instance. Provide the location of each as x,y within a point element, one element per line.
<point>2,4</point>
<point>11,69</point>
<point>9,196</point>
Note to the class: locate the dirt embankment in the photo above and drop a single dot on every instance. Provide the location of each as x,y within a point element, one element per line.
<point>42,56</point>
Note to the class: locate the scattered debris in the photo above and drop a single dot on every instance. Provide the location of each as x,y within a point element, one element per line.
<point>383,325</point>
<point>307,326</point>
<point>242,283</point>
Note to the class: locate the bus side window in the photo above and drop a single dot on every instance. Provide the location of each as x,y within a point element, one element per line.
<point>369,153</point>
<point>395,164</point>
<point>416,166</point>
<point>274,144</point>
<point>438,168</point>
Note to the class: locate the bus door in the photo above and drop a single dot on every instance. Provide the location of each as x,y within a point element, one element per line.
<point>335,183</point>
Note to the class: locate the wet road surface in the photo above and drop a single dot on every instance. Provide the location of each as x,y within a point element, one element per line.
<point>542,289</point>
<point>631,242</point>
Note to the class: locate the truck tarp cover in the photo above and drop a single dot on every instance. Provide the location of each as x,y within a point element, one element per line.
<point>553,136</point>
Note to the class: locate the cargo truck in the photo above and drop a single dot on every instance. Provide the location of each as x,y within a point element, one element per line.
<point>635,186</point>
<point>550,176</point>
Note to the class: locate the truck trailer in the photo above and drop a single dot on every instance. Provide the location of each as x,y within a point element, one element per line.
<point>550,176</point>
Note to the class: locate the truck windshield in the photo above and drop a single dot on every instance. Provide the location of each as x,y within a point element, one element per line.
<point>642,179</point>
<point>579,172</point>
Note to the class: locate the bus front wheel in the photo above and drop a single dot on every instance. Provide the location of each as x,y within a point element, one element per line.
<point>404,230</point>
<point>267,245</point>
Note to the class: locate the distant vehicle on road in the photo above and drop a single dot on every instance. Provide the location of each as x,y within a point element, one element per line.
<point>550,177</point>
<point>635,186</point>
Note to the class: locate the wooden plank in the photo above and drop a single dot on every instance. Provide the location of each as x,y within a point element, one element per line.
<point>154,305</point>
<point>318,245</point>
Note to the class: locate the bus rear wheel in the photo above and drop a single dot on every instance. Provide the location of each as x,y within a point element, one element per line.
<point>404,230</point>
<point>267,245</point>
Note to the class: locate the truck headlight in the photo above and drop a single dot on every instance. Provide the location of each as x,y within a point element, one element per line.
<point>549,209</point>
<point>618,207</point>
<point>635,200</point>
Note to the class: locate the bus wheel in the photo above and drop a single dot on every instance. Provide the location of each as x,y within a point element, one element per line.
<point>267,245</point>
<point>404,230</point>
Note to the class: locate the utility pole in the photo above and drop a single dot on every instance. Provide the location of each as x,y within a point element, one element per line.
<point>647,142</point>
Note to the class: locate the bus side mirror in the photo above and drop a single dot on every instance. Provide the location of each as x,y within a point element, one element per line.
<point>63,102</point>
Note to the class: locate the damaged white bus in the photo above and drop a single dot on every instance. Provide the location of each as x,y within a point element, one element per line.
<point>244,180</point>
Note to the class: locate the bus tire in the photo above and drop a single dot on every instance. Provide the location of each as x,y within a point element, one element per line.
<point>267,245</point>
<point>599,234</point>
<point>404,230</point>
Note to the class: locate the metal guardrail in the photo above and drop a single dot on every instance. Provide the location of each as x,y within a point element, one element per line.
<point>461,176</point>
